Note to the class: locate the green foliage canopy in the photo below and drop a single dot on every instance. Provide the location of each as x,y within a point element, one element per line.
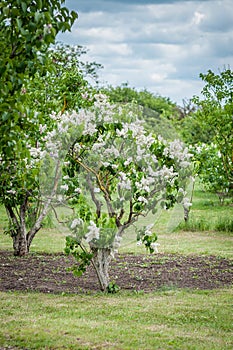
<point>27,29</point>
<point>66,86</point>
<point>215,114</point>
<point>209,130</point>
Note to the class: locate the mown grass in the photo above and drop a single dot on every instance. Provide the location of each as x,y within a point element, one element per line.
<point>163,320</point>
<point>172,319</point>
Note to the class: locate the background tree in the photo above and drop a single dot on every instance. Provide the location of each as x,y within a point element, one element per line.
<point>157,111</point>
<point>67,85</point>
<point>209,168</point>
<point>27,29</point>
<point>186,109</point>
<point>214,118</point>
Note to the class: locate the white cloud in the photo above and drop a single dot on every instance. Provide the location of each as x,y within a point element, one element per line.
<point>106,50</point>
<point>198,17</point>
<point>102,34</point>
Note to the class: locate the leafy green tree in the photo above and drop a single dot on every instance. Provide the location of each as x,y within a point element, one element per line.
<point>189,126</point>
<point>27,29</point>
<point>214,115</point>
<point>193,131</point>
<point>125,94</point>
<point>67,86</point>
<point>208,166</point>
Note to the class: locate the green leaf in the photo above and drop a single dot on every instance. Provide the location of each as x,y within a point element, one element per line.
<point>37,16</point>
<point>19,23</point>
<point>24,6</point>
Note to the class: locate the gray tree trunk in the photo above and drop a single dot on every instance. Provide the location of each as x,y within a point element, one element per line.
<point>22,238</point>
<point>20,245</point>
<point>101,259</point>
<point>186,214</point>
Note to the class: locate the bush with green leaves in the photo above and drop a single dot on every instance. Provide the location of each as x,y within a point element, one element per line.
<point>27,29</point>
<point>64,87</point>
<point>209,131</point>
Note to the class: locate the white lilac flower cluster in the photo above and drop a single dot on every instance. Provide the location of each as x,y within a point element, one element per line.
<point>176,150</point>
<point>115,245</point>
<point>37,153</point>
<point>203,147</point>
<point>185,201</point>
<point>148,233</point>
<point>75,223</point>
<point>92,233</point>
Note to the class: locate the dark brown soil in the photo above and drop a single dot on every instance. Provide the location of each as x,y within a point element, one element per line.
<point>48,273</point>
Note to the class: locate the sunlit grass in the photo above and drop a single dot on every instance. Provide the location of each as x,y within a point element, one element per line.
<point>163,320</point>
<point>202,237</point>
<point>185,242</point>
<point>199,237</point>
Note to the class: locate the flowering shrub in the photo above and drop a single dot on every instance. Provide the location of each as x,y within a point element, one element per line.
<point>29,180</point>
<point>115,172</point>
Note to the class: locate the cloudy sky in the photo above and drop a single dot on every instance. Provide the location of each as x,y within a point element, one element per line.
<point>158,45</point>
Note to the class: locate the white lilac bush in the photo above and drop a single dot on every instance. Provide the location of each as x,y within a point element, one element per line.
<point>114,173</point>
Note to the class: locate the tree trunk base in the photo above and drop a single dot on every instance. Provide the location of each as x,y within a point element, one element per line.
<point>101,260</point>
<point>20,245</point>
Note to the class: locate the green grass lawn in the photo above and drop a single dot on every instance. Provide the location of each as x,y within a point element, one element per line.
<point>172,319</point>
<point>163,320</point>
<point>195,239</point>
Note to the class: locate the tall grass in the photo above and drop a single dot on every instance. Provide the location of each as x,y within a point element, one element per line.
<point>207,213</point>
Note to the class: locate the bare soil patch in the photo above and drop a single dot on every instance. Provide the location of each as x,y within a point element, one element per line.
<point>48,273</point>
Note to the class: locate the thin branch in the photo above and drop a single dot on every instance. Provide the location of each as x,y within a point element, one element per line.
<point>11,215</point>
<point>90,170</point>
<point>119,217</point>
<point>98,203</point>
<point>45,209</point>
<point>56,215</point>
<point>107,198</point>
<point>130,213</point>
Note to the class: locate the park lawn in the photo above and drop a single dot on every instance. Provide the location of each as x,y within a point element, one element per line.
<point>208,232</point>
<point>199,237</point>
<point>182,242</point>
<point>172,319</point>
